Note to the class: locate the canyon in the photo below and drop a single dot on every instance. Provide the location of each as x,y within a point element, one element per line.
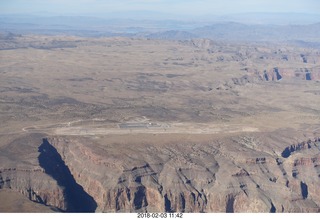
<point>146,125</point>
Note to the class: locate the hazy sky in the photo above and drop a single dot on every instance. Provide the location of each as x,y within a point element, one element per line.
<point>189,7</point>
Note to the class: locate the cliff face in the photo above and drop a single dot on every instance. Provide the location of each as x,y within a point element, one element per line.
<point>34,184</point>
<point>20,172</point>
<point>301,146</point>
<point>190,178</point>
<point>76,198</point>
<point>238,174</point>
<point>253,76</point>
<point>276,74</point>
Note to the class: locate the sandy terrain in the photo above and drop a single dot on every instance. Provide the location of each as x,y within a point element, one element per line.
<point>241,119</point>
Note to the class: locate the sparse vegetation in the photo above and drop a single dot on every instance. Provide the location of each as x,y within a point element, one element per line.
<point>187,124</point>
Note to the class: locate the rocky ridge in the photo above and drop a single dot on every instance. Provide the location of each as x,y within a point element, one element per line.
<point>186,177</point>
<point>34,184</point>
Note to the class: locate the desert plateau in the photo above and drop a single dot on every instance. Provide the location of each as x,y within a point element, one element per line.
<point>159,122</point>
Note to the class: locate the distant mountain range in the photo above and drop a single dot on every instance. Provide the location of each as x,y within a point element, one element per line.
<point>221,28</point>
<point>242,32</point>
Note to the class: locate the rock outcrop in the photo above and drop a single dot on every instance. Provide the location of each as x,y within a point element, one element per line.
<point>301,146</point>
<point>34,184</point>
<point>20,172</point>
<point>234,174</point>
<point>184,177</point>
